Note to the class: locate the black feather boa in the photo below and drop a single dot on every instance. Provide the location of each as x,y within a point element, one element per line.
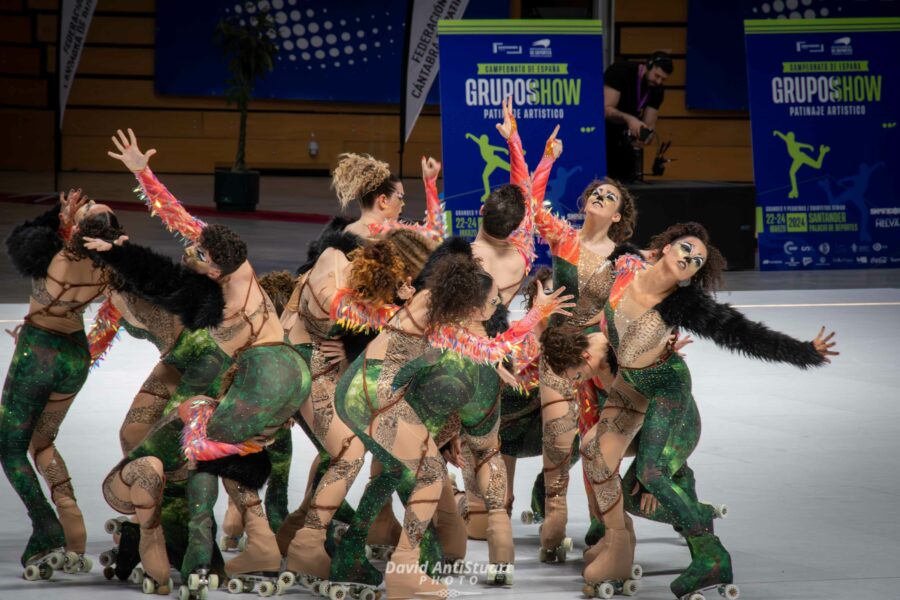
<point>452,245</point>
<point>332,236</point>
<point>693,309</point>
<point>251,470</point>
<point>32,245</point>
<point>195,298</point>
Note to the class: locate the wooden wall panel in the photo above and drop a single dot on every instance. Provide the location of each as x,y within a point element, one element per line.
<point>28,139</point>
<point>648,11</point>
<point>23,92</point>
<point>124,31</point>
<point>705,163</point>
<point>102,60</point>
<point>645,40</point>
<point>20,60</point>
<point>126,6</point>
<point>705,132</point>
<point>15,29</point>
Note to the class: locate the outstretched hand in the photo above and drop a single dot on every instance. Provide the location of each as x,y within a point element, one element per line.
<point>823,344</point>
<point>430,168</point>
<point>98,245</point>
<point>678,342</point>
<point>508,126</point>
<point>554,146</point>
<point>70,204</point>
<point>129,153</point>
<point>560,304</point>
<point>406,290</point>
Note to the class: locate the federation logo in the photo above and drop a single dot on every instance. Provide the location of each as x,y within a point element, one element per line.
<point>790,248</point>
<point>541,49</point>
<point>841,47</point>
<point>824,248</point>
<point>810,47</point>
<point>509,49</point>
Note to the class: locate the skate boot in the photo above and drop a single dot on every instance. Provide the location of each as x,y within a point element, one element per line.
<point>501,553</point>
<point>121,561</point>
<point>260,563</point>
<point>405,578</point>
<point>451,531</point>
<point>591,553</point>
<point>613,570</point>
<point>233,539</point>
<point>710,568</point>
<point>351,570</point>
<point>476,517</point>
<point>72,522</point>
<point>47,535</point>
<point>41,566</point>
<point>114,527</point>
<point>538,497</point>
<point>290,526</point>
<point>383,534</point>
<point>554,543</point>
<point>307,560</point>
<point>154,574</point>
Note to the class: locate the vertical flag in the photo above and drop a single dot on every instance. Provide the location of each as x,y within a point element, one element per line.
<point>74,21</point>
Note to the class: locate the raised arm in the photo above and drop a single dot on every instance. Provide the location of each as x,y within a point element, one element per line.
<point>696,311</point>
<point>434,227</point>
<point>509,129</point>
<point>159,200</point>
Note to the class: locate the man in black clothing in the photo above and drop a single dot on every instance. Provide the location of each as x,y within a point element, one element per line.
<point>632,95</point>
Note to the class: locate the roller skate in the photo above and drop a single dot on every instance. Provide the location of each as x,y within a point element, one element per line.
<point>383,534</point>
<point>612,571</point>
<point>154,576</point>
<point>259,564</point>
<point>501,553</point>
<point>451,531</point>
<point>476,517</point>
<point>198,584</point>
<point>592,552</point>
<point>710,569</point>
<point>554,543</point>
<point>114,527</point>
<point>121,560</point>
<point>233,539</point>
<point>290,526</point>
<point>308,564</point>
<point>405,578</point>
<point>42,566</point>
<point>77,562</point>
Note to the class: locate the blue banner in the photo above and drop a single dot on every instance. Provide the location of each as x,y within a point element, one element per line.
<point>554,72</point>
<point>348,51</point>
<point>824,107</point>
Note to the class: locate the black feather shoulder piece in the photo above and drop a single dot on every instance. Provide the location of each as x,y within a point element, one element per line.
<point>623,249</point>
<point>499,321</point>
<point>693,309</point>
<point>451,245</point>
<point>32,245</point>
<point>251,470</point>
<point>327,237</point>
<point>195,298</point>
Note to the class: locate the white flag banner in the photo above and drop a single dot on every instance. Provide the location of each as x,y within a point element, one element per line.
<point>422,61</point>
<point>75,18</point>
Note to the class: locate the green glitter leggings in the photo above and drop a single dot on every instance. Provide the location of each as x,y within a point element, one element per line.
<point>44,363</point>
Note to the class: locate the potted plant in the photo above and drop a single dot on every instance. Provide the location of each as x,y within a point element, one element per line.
<point>251,51</point>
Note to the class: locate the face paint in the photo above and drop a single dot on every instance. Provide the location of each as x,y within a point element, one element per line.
<point>684,251</point>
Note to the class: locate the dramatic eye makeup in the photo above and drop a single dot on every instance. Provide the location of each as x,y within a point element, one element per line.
<point>688,248</point>
<point>597,196</point>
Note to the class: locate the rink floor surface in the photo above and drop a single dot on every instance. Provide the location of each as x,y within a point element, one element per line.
<point>807,463</point>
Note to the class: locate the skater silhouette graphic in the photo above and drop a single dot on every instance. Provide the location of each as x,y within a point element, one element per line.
<point>491,160</point>
<point>556,187</point>
<point>853,192</point>
<point>795,150</point>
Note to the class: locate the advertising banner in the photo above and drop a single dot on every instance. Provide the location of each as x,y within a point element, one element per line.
<point>824,106</point>
<point>553,69</point>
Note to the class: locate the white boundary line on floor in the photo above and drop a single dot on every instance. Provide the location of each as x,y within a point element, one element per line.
<point>823,305</point>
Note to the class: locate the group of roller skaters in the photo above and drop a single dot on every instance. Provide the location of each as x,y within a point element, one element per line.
<point>391,339</point>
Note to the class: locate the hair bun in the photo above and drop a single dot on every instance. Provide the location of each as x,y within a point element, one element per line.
<point>356,175</point>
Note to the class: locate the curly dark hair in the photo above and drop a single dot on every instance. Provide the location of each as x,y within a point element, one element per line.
<point>709,277</point>
<point>413,248</point>
<point>458,286</point>
<point>624,229</point>
<point>104,226</point>
<point>279,285</point>
<point>542,274</point>
<point>376,271</point>
<point>504,210</point>
<point>563,347</point>
<point>225,247</point>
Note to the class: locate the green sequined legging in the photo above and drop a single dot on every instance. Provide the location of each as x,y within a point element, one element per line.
<point>44,363</point>
<point>669,435</point>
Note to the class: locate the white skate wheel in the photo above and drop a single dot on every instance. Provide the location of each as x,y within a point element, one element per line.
<point>697,596</point>
<point>337,592</point>
<point>204,593</point>
<point>213,581</point>
<point>57,560</point>
<point>566,544</point>
<point>184,593</point>
<point>223,543</point>
<point>543,555</point>
<point>287,579</point>
<point>730,591</point>
<point>86,564</point>
<point>637,571</point>
<point>108,558</point>
<point>193,582</point>
<point>242,544</point>
<point>266,589</point>
<point>112,526</point>
<point>368,594</point>
<point>508,576</point>
<point>721,510</point>
<point>527,517</point>
<point>631,587</point>
<point>561,554</point>
<point>136,576</point>
<point>32,573</point>
<point>149,586</point>
<point>235,586</point>
<point>605,590</point>
<point>491,573</point>
<point>280,588</point>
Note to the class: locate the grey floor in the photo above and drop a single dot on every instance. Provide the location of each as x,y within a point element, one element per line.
<point>806,461</point>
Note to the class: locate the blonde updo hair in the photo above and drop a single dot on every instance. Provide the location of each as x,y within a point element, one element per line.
<point>363,178</point>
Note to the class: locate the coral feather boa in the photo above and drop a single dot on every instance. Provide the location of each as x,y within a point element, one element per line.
<point>196,445</point>
<point>103,332</point>
<point>355,315</point>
